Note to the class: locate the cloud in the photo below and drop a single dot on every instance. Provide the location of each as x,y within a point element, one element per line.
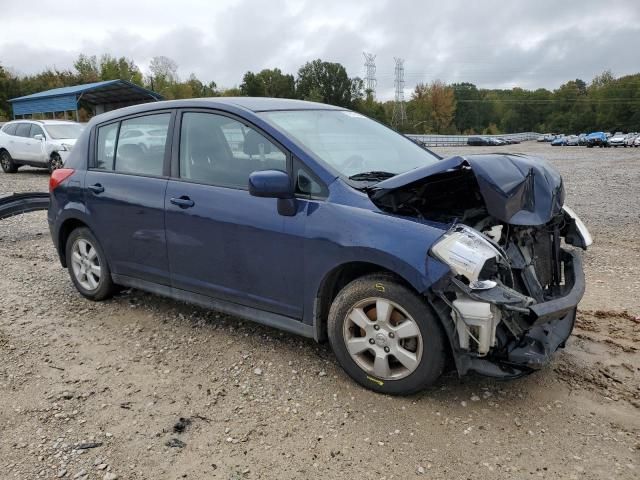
<point>489,43</point>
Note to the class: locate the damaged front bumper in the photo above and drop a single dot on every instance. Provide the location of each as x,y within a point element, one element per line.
<point>528,334</point>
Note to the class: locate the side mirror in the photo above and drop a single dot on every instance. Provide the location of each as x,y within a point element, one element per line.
<point>270,184</point>
<point>38,136</point>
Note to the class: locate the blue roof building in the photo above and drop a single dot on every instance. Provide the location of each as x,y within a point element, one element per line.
<point>101,96</point>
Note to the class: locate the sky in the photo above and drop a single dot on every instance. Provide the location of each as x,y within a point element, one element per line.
<point>493,44</point>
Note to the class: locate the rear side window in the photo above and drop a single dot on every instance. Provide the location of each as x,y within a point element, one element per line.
<point>136,145</point>
<point>141,144</point>
<point>10,129</point>
<point>23,129</point>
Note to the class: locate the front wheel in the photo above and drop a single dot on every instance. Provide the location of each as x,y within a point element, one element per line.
<point>7,163</point>
<point>385,336</point>
<point>88,266</point>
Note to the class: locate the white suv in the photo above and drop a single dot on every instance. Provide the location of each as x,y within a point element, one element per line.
<point>38,143</point>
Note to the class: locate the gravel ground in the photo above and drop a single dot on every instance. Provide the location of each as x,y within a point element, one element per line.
<point>141,387</point>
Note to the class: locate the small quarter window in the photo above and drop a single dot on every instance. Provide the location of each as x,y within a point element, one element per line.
<point>10,128</point>
<point>307,184</point>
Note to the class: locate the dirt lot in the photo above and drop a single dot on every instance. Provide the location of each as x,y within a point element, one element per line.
<point>97,390</point>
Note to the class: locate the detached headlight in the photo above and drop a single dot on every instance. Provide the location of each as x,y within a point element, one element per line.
<point>467,252</point>
<point>581,228</point>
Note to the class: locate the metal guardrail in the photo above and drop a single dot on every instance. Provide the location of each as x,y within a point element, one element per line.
<point>453,140</point>
<point>16,203</point>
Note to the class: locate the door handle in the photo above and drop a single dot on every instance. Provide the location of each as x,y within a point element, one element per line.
<point>183,202</point>
<point>96,188</point>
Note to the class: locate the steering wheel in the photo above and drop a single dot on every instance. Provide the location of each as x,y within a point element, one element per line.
<point>354,162</point>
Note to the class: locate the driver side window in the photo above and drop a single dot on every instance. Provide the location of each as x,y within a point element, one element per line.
<point>221,151</point>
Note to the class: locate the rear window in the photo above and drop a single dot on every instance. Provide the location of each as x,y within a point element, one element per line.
<point>23,129</point>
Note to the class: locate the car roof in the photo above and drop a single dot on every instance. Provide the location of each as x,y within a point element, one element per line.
<point>253,104</point>
<point>44,122</point>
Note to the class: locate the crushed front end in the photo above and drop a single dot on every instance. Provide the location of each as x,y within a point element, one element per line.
<point>515,278</point>
<point>507,313</point>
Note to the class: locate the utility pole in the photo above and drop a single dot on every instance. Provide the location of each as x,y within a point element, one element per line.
<point>370,77</point>
<point>399,113</point>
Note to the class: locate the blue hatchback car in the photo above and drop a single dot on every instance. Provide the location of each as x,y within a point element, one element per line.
<point>319,221</point>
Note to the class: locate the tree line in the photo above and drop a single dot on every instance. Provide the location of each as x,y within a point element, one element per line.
<point>606,103</point>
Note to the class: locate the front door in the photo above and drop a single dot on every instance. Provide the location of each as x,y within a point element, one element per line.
<point>35,147</point>
<point>223,242</point>
<point>125,192</point>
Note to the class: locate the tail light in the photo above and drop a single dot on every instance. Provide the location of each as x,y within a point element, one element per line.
<point>58,176</point>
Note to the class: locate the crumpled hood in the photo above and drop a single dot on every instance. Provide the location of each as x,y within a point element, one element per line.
<point>517,189</point>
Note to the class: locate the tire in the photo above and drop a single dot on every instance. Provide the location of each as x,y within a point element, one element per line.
<point>55,162</point>
<point>87,282</point>
<point>421,345</point>
<point>7,163</point>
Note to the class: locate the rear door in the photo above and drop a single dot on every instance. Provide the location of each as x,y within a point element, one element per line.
<point>20,142</point>
<point>125,189</point>
<point>223,242</point>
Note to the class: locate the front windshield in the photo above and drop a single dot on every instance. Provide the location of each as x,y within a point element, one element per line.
<point>70,130</point>
<point>351,143</point>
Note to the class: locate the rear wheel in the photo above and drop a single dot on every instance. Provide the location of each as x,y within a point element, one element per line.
<point>385,336</point>
<point>7,163</point>
<point>55,162</point>
<point>88,266</point>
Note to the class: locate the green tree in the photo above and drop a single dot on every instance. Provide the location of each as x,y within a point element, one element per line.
<point>268,83</point>
<point>328,83</point>
<point>122,68</point>
<point>87,68</point>
<point>369,107</point>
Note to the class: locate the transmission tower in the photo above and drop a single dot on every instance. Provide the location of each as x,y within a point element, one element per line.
<point>399,113</point>
<point>370,77</point>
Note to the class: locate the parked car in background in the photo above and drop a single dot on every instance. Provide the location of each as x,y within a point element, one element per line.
<point>636,142</point>
<point>582,139</point>
<point>477,141</point>
<point>572,141</point>
<point>630,139</point>
<point>38,143</point>
<point>322,222</point>
<point>559,141</point>
<point>617,140</point>
<point>549,137</point>
<point>597,139</point>
<point>540,138</point>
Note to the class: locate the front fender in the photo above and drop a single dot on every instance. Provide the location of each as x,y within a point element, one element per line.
<point>341,234</point>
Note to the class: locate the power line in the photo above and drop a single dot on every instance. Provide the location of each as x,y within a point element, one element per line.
<point>370,77</point>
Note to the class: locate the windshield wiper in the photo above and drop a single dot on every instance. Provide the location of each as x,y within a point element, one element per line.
<point>371,176</point>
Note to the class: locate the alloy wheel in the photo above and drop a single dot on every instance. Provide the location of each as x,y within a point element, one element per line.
<point>383,339</point>
<point>4,161</point>
<point>86,264</point>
